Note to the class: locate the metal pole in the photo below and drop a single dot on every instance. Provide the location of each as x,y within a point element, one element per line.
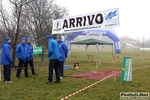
<point>98,54</point>
<point>85,52</point>
<point>70,52</point>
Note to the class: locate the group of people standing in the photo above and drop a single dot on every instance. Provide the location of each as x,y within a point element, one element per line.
<point>24,53</point>
<point>57,53</point>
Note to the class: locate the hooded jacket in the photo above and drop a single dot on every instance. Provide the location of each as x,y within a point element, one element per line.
<point>22,52</point>
<point>30,51</point>
<point>63,51</point>
<point>53,52</point>
<point>6,56</point>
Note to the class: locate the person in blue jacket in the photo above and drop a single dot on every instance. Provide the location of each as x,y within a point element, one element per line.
<point>30,59</point>
<point>22,54</point>
<point>53,56</point>
<point>6,60</point>
<point>63,51</point>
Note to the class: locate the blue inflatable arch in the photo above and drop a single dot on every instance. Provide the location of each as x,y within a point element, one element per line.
<point>107,33</point>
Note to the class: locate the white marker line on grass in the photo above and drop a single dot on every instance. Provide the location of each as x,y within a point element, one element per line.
<point>141,67</point>
<point>87,87</point>
<point>97,83</point>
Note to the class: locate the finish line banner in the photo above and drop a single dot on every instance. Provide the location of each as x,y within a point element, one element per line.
<point>98,20</point>
<point>126,74</point>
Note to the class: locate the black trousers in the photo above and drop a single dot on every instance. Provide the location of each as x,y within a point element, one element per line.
<point>61,68</point>
<point>22,64</point>
<point>32,66</point>
<point>7,72</point>
<point>53,64</point>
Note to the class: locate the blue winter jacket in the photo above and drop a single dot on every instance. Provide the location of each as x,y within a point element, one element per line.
<point>22,52</point>
<point>63,51</point>
<point>53,52</point>
<point>6,56</point>
<point>30,50</point>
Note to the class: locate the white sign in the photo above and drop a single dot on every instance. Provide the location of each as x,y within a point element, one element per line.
<point>98,20</point>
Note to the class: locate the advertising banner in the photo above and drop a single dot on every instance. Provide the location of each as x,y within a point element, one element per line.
<point>97,20</point>
<point>37,50</point>
<point>126,74</point>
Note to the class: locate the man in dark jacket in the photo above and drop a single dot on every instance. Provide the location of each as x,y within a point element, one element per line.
<point>53,56</point>
<point>63,51</point>
<point>22,54</point>
<point>7,60</point>
<point>30,59</point>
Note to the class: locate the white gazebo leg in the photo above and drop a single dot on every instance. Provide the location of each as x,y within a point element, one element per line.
<point>70,52</point>
<point>98,54</point>
<point>85,52</point>
<point>69,55</point>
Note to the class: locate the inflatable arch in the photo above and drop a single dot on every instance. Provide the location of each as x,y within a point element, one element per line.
<point>101,32</point>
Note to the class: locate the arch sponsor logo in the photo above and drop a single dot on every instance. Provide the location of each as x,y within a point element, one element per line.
<point>57,26</point>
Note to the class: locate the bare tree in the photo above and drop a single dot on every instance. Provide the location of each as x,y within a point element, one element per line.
<point>148,43</point>
<point>27,17</point>
<point>12,23</point>
<point>143,43</point>
<point>138,44</point>
<point>39,15</point>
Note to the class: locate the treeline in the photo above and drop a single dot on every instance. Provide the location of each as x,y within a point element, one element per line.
<point>23,18</point>
<point>145,43</point>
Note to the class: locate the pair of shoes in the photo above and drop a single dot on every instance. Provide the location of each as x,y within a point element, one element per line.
<point>57,82</point>
<point>34,74</point>
<point>61,77</point>
<point>48,82</point>
<point>9,82</point>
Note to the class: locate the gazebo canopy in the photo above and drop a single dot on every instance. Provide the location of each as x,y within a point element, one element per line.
<point>92,42</point>
<point>95,42</point>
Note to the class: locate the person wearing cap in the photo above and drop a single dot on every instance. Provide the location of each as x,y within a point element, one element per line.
<point>22,54</point>
<point>63,51</point>
<point>6,60</point>
<point>30,59</point>
<point>53,56</point>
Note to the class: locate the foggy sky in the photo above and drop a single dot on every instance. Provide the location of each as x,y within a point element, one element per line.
<point>134,15</point>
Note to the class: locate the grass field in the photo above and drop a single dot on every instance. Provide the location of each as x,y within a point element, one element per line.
<point>34,87</point>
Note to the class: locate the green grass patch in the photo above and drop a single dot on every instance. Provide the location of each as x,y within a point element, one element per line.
<point>34,87</point>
